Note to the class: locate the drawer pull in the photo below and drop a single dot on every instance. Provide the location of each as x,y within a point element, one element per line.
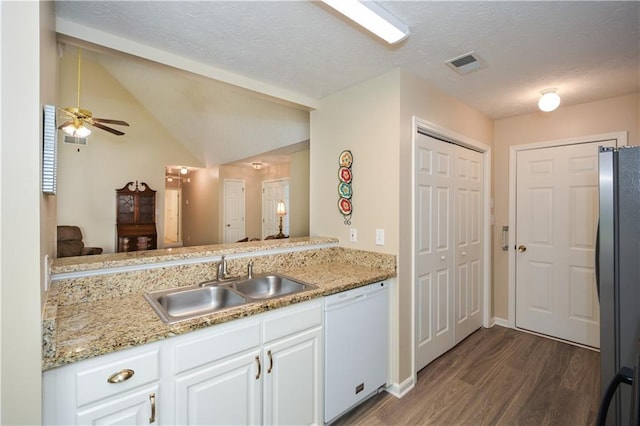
<point>270,362</point>
<point>121,376</point>
<point>152,400</point>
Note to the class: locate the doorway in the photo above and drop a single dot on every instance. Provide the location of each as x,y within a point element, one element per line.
<point>173,217</point>
<point>554,213</point>
<point>234,225</point>
<point>274,191</point>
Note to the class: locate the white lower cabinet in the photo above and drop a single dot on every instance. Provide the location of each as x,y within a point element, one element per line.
<point>276,380</point>
<point>136,408</point>
<point>293,380</point>
<point>265,369</point>
<point>227,392</point>
<point>115,389</point>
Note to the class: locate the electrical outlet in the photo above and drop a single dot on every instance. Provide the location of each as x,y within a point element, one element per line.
<point>353,235</point>
<point>380,237</point>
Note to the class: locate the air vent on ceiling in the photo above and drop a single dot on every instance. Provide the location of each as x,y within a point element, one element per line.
<point>464,64</point>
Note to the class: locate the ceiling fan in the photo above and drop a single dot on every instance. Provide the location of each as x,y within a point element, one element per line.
<point>78,117</point>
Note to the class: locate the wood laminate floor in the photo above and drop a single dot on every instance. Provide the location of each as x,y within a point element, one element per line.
<point>497,376</point>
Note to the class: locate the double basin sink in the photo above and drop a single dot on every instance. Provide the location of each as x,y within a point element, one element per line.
<point>184,303</point>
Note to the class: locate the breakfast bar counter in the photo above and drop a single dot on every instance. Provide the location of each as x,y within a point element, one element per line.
<point>96,305</point>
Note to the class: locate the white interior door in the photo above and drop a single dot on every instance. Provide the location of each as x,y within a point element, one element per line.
<point>468,236</point>
<point>434,251</point>
<point>272,192</point>
<point>556,217</point>
<point>234,229</point>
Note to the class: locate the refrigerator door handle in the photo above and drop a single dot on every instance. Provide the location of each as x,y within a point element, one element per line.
<point>625,375</point>
<point>597,262</point>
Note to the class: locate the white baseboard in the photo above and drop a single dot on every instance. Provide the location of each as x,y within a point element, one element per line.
<point>501,322</point>
<point>401,389</point>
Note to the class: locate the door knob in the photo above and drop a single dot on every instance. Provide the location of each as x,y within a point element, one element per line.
<point>522,248</point>
<point>228,225</point>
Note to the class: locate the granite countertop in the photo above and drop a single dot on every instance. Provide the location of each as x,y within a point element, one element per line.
<point>116,260</point>
<point>97,327</point>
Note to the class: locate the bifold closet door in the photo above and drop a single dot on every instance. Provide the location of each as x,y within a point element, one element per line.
<point>448,245</point>
<point>468,236</point>
<point>434,250</point>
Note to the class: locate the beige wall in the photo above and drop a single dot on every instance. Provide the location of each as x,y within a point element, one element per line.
<point>253,193</point>
<point>22,24</point>
<point>48,95</point>
<point>200,197</point>
<point>299,194</point>
<point>88,177</point>
<point>604,116</point>
<point>363,119</point>
<point>420,99</point>
<point>373,120</point>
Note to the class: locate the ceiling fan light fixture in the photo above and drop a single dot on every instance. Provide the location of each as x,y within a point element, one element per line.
<point>77,130</point>
<point>549,101</point>
<point>373,17</point>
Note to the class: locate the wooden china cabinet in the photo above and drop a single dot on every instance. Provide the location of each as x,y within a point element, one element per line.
<point>136,217</point>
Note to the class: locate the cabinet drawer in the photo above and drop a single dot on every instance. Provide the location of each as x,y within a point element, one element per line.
<point>212,345</point>
<point>293,319</point>
<point>92,380</point>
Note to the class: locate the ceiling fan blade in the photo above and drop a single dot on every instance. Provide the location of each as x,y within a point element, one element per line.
<point>108,129</point>
<point>109,121</point>
<point>67,112</point>
<point>66,123</point>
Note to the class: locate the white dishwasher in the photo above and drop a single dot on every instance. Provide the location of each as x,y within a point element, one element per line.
<point>355,347</point>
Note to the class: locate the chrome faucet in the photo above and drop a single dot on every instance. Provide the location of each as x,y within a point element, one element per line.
<point>250,270</point>
<point>221,273</point>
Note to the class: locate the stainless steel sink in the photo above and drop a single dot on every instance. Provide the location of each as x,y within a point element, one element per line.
<point>268,286</point>
<point>184,303</point>
<point>192,302</point>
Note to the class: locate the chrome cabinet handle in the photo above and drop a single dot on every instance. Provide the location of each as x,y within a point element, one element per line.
<point>121,376</point>
<point>259,368</point>
<point>270,362</point>
<point>152,400</point>
<point>522,248</point>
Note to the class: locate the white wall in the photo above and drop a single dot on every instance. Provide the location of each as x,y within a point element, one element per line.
<point>20,264</point>
<point>604,116</point>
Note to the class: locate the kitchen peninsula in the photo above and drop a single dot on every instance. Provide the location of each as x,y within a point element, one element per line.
<point>95,304</point>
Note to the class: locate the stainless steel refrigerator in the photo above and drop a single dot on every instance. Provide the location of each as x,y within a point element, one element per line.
<point>618,279</point>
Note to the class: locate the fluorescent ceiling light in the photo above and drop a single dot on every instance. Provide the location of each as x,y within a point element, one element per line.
<point>372,17</point>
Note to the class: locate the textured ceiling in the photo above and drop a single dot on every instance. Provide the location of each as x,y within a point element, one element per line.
<point>587,50</point>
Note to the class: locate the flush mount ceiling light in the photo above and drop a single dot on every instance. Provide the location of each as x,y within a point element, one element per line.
<point>184,170</point>
<point>256,165</point>
<point>549,100</point>
<point>372,17</point>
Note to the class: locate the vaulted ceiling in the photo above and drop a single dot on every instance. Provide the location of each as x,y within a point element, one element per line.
<point>302,51</point>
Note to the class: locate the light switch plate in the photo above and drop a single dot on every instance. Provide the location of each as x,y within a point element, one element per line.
<point>380,237</point>
<point>353,235</point>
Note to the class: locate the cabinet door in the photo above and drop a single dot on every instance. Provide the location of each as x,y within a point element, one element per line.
<point>224,393</point>
<point>293,380</point>
<point>138,408</point>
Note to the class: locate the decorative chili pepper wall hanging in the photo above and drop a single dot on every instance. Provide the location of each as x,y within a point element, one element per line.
<point>344,187</point>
